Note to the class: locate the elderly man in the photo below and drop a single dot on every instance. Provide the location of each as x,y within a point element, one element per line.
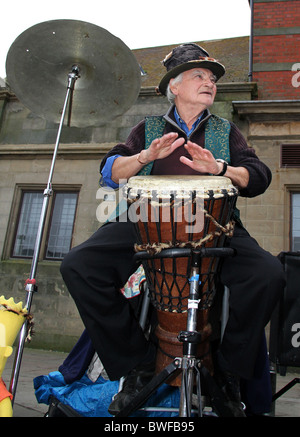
<point>96,270</point>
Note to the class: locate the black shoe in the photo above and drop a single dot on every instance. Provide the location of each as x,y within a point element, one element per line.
<point>229,383</point>
<point>132,385</point>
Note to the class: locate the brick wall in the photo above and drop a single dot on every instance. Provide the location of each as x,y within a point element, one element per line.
<point>269,14</point>
<point>276,85</point>
<point>276,48</point>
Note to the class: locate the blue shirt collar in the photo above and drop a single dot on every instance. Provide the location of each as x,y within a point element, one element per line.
<point>183,125</point>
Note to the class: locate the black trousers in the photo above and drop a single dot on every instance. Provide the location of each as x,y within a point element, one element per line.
<point>95,271</point>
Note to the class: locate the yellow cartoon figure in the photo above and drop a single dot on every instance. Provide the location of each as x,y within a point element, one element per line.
<point>12,317</point>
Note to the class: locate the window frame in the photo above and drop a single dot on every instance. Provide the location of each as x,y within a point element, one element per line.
<point>292,192</point>
<point>14,218</point>
<point>47,236</point>
<point>15,230</point>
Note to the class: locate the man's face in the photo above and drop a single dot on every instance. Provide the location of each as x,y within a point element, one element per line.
<point>197,87</point>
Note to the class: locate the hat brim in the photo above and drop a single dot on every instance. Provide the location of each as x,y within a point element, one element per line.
<point>214,66</point>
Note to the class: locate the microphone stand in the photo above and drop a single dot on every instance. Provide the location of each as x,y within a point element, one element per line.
<point>30,284</point>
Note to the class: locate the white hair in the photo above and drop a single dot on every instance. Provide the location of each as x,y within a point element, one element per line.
<point>169,94</point>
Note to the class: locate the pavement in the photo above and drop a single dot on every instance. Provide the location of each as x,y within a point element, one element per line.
<point>40,362</point>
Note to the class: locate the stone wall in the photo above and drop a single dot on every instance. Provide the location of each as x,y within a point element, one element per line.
<point>269,125</point>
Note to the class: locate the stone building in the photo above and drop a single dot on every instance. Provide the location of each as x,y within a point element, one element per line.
<point>260,93</point>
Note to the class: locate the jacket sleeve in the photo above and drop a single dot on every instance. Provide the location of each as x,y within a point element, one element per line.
<point>133,145</point>
<point>242,155</point>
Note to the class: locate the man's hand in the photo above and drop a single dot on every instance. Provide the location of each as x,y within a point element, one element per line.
<point>202,161</point>
<point>125,167</point>
<point>161,147</point>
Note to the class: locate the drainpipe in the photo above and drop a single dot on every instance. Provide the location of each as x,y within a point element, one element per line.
<point>251,43</point>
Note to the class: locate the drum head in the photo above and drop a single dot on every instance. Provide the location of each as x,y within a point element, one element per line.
<point>181,186</point>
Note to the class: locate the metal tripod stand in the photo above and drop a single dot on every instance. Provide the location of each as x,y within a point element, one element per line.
<point>190,366</point>
<point>30,284</point>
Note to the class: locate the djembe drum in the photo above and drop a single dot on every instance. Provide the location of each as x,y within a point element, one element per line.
<point>180,212</point>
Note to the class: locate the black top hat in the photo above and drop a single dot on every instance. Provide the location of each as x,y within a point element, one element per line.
<point>185,57</point>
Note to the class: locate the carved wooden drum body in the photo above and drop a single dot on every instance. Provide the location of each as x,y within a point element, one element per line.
<point>180,212</point>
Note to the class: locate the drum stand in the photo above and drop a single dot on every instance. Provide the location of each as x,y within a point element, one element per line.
<point>188,364</point>
<point>30,284</point>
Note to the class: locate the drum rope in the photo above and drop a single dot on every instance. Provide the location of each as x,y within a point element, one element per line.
<point>182,305</point>
<point>157,247</point>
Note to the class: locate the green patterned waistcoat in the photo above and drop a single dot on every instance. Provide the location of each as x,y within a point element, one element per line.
<point>217,132</point>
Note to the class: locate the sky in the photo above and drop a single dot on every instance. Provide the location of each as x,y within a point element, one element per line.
<point>138,23</point>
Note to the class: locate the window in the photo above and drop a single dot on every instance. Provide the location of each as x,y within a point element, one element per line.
<point>58,226</point>
<point>28,224</point>
<point>295,222</point>
<point>61,229</point>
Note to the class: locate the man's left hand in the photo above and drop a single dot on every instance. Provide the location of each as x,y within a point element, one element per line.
<point>202,160</point>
